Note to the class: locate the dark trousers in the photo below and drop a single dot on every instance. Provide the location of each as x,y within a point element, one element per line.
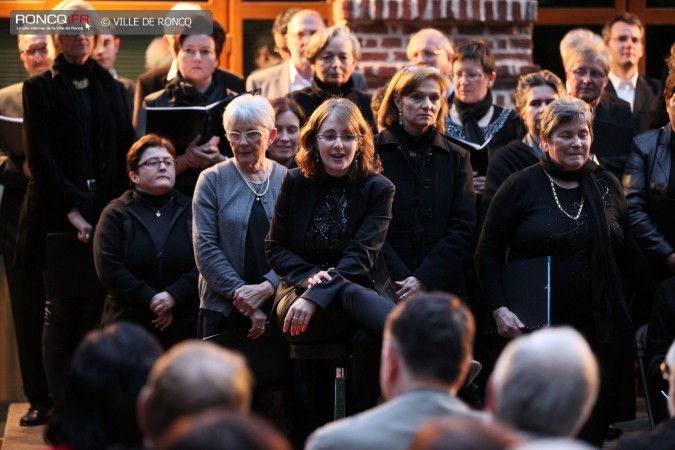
<point>27,295</point>
<point>67,321</point>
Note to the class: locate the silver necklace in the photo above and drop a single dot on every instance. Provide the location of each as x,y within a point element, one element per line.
<point>158,212</point>
<point>266,183</point>
<point>557,202</point>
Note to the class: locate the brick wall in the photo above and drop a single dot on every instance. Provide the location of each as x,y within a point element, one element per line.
<point>383,27</point>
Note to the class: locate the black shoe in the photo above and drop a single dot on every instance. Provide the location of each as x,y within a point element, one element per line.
<point>35,417</point>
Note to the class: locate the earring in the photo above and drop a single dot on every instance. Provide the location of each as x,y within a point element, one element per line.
<point>316,155</point>
<point>400,117</point>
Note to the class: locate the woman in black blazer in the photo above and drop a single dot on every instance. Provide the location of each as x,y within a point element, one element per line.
<point>77,130</point>
<point>326,238</point>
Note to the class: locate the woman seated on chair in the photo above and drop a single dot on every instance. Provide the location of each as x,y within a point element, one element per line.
<point>326,237</point>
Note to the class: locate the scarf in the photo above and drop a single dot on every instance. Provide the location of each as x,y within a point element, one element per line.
<point>609,308</point>
<point>74,71</point>
<point>471,113</point>
<point>183,93</point>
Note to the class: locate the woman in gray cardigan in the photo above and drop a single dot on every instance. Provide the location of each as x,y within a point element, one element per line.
<point>232,206</point>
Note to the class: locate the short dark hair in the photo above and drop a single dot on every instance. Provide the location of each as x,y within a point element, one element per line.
<point>629,18</point>
<point>541,78</point>
<point>218,36</point>
<point>283,104</point>
<point>434,334</point>
<point>105,377</point>
<point>478,51</point>
<point>137,150</point>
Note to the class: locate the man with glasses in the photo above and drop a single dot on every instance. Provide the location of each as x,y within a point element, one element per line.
<point>624,37</point>
<point>430,47</point>
<point>25,285</point>
<point>587,68</point>
<point>296,73</point>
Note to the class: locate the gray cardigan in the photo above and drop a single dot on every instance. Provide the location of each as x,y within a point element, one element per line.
<point>221,207</point>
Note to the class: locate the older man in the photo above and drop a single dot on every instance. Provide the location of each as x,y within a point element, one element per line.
<point>426,354</point>
<point>25,284</point>
<point>192,377</point>
<point>295,73</point>
<point>430,47</point>
<point>624,36</point>
<point>545,383</point>
<point>586,67</point>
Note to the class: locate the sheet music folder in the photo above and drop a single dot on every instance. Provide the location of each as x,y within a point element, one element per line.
<point>527,285</point>
<point>11,136</point>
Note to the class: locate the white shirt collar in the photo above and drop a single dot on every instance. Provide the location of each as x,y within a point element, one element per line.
<point>298,81</point>
<point>173,71</point>
<point>616,81</point>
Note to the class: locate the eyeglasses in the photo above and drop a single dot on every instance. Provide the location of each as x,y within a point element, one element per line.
<point>429,54</point>
<point>251,136</point>
<point>153,163</point>
<point>470,77</point>
<point>327,59</point>
<point>42,51</point>
<point>345,138</point>
<point>430,68</point>
<point>594,74</point>
<point>192,52</point>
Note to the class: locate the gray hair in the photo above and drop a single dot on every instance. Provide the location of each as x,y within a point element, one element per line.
<point>575,39</point>
<point>525,396</point>
<point>596,52</point>
<point>254,109</point>
<point>321,38</point>
<point>53,43</point>
<point>563,111</point>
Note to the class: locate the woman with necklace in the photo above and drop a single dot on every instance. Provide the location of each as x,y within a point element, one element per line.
<point>77,130</point>
<point>569,208</point>
<point>143,248</point>
<point>233,205</point>
<point>431,231</point>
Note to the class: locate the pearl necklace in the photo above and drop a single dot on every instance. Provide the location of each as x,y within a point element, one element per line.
<point>266,183</point>
<point>557,202</point>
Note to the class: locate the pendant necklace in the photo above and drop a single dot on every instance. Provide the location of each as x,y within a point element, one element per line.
<point>557,202</point>
<point>158,212</point>
<point>263,189</point>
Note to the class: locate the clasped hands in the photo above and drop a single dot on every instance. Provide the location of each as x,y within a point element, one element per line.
<point>201,156</point>
<point>248,299</point>
<point>162,304</point>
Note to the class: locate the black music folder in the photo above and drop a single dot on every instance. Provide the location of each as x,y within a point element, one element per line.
<point>527,286</point>
<point>11,136</point>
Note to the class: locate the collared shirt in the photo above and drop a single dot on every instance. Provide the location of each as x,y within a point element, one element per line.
<point>298,81</point>
<point>173,71</point>
<point>530,140</point>
<point>625,89</point>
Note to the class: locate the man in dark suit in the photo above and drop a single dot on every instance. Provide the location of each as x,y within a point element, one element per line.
<point>25,284</point>
<point>106,57</point>
<point>426,354</point>
<point>624,37</point>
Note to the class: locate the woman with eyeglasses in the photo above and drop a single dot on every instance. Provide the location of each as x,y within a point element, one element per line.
<point>197,83</point>
<point>325,242</point>
<point>77,129</point>
<point>143,248</point>
<point>480,125</point>
<point>431,231</point>
<point>233,206</point>
<point>333,54</point>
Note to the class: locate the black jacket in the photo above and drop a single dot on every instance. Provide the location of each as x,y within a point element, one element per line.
<point>645,182</point>
<point>646,91</point>
<point>56,152</point>
<point>131,268</point>
<point>369,213</point>
<point>434,215</point>
<point>613,126</point>
<point>311,97</point>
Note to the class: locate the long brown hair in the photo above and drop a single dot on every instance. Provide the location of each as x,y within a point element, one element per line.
<point>365,162</point>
